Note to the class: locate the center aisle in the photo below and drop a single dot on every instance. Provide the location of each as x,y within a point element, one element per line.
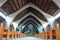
<point>28,38</point>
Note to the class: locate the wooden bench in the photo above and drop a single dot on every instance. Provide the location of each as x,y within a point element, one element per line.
<point>9,33</point>
<point>52,33</point>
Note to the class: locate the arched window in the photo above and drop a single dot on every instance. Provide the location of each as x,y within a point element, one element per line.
<point>30,26</point>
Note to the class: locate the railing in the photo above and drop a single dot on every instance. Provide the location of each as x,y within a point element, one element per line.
<point>9,33</point>
<point>52,33</point>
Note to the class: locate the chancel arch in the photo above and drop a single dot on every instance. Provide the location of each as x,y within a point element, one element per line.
<point>28,19</point>
<point>39,27</point>
<point>30,29</point>
<point>21,26</point>
<point>27,16</point>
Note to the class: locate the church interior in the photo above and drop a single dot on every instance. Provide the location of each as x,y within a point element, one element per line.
<point>29,19</point>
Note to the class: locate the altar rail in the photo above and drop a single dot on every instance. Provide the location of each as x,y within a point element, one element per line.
<point>51,34</point>
<point>9,33</point>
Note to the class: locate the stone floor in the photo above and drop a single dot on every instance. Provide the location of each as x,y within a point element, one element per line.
<point>27,38</point>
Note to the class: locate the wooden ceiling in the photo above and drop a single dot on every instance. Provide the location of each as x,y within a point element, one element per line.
<point>30,9</point>
<point>12,6</point>
<point>31,17</point>
<point>47,6</point>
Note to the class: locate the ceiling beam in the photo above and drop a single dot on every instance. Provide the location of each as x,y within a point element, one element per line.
<point>2,2</point>
<point>26,6</point>
<point>57,2</point>
<point>17,22</point>
<point>16,4</point>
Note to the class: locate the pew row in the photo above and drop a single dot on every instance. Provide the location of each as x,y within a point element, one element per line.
<point>51,34</point>
<point>9,33</point>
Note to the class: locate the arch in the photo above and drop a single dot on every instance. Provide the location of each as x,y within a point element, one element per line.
<point>23,26</point>
<point>37,26</point>
<point>23,8</point>
<point>30,21</point>
<point>25,19</point>
<point>30,17</point>
<point>15,25</point>
<point>26,6</point>
<point>33,26</point>
<point>30,9</point>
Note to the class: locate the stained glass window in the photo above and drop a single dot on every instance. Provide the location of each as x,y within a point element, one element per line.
<point>30,26</point>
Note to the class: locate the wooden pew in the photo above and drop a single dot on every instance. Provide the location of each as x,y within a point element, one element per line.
<point>1,31</point>
<point>8,33</point>
<point>44,34</point>
<point>16,34</point>
<point>58,32</point>
<point>51,33</point>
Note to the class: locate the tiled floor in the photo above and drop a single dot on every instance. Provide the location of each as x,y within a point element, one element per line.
<point>27,38</point>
